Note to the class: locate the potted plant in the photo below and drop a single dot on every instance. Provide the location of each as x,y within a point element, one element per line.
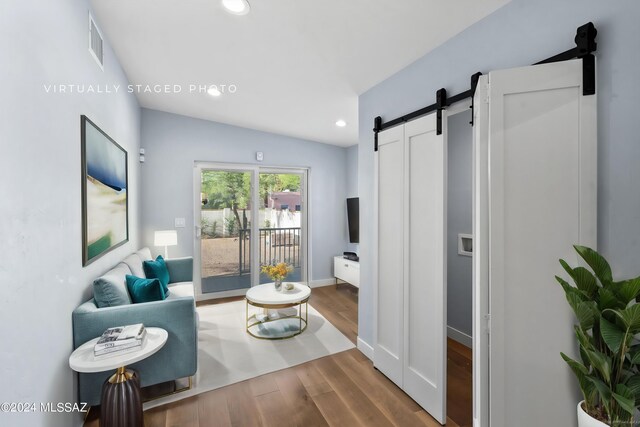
<point>608,314</point>
<point>277,273</point>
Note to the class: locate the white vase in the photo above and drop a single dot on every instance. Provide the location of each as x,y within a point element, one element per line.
<point>586,420</point>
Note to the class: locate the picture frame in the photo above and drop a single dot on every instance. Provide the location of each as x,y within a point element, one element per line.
<point>105,198</point>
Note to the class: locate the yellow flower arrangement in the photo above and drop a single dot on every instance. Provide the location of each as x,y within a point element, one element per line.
<point>278,271</point>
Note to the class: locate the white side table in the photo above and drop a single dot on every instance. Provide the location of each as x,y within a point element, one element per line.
<point>347,270</point>
<point>121,404</point>
<point>267,297</point>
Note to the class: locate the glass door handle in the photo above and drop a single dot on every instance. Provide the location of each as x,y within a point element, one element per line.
<point>198,231</point>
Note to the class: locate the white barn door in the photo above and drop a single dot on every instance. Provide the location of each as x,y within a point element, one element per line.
<point>410,344</point>
<point>425,361</point>
<point>540,154</point>
<point>389,342</point>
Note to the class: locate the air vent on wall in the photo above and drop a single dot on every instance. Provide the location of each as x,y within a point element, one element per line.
<point>95,42</point>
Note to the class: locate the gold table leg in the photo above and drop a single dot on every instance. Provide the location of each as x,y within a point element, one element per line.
<point>298,307</point>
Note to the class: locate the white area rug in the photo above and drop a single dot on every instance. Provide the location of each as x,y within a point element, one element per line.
<point>227,354</point>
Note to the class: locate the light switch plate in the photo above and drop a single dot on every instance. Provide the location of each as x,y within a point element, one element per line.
<point>180,223</point>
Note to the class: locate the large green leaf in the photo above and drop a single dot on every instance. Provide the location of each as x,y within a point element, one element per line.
<point>608,300</point>
<point>581,372</point>
<point>577,367</point>
<point>584,280</point>
<point>628,290</point>
<point>571,291</point>
<point>585,341</point>
<point>603,391</point>
<point>634,358</point>
<point>602,364</point>
<point>574,298</point>
<point>585,358</point>
<point>586,311</point>
<point>634,385</point>
<point>627,372</point>
<point>598,264</point>
<point>630,317</point>
<point>612,335</point>
<point>625,398</point>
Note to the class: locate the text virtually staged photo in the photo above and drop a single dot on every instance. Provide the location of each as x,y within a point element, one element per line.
<point>242,213</point>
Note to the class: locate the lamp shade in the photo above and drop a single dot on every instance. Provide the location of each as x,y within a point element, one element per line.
<point>166,238</point>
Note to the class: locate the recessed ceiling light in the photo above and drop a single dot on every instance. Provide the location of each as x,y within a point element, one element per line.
<point>341,123</point>
<point>214,91</point>
<point>237,7</point>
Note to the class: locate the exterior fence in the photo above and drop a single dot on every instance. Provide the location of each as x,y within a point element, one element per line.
<point>222,222</point>
<point>275,245</point>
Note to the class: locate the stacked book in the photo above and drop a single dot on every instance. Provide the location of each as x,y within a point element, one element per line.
<point>120,340</point>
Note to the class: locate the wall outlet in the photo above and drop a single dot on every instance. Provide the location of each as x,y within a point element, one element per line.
<point>180,223</point>
<point>259,156</point>
<point>465,244</point>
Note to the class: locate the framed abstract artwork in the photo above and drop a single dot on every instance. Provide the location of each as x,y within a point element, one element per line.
<point>105,202</point>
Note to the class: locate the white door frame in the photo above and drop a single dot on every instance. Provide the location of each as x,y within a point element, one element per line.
<point>480,232</point>
<point>255,171</point>
<point>480,209</point>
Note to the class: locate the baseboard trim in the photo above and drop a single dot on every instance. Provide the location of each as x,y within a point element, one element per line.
<point>321,282</point>
<point>221,294</point>
<point>365,348</point>
<point>241,292</point>
<point>460,337</point>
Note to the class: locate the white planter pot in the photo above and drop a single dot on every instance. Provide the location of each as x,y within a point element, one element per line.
<point>585,420</point>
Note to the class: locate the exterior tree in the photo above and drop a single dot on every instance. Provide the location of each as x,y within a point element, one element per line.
<point>225,189</point>
<point>228,190</point>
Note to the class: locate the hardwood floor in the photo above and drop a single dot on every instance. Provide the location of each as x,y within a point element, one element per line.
<point>341,390</point>
<point>459,383</point>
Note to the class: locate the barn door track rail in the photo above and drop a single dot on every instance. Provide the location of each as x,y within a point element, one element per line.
<point>585,41</point>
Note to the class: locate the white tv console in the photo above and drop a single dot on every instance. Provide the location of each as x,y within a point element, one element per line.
<point>346,270</point>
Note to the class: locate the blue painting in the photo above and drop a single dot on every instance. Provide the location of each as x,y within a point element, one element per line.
<point>104,186</point>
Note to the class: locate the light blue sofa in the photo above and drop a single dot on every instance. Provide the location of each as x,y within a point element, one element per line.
<point>176,314</point>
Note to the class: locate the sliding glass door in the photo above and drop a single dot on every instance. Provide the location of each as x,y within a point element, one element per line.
<point>230,247</point>
<point>225,233</point>
<point>281,213</point>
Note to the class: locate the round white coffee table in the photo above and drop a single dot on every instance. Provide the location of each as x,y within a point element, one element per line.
<point>276,325</point>
<point>121,404</point>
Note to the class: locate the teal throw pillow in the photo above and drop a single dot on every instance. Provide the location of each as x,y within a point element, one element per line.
<point>145,290</point>
<point>110,290</point>
<point>157,270</point>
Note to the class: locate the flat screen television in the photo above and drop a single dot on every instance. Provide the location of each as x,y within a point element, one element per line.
<point>353,218</point>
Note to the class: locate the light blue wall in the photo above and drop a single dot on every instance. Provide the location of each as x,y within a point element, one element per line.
<point>520,33</point>
<point>41,274</point>
<point>459,220</point>
<point>352,171</point>
<point>173,143</point>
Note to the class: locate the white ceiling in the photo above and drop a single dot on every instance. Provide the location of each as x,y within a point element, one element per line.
<point>298,65</point>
